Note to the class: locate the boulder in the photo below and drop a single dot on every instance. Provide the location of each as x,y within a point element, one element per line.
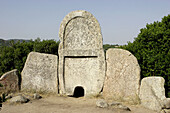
<point>114,103</point>
<point>122,107</point>
<point>117,105</point>
<point>40,73</point>
<point>167,103</point>
<point>122,76</point>
<point>101,103</point>
<point>19,99</point>
<point>9,81</point>
<point>152,93</point>
<point>9,96</point>
<point>36,96</point>
<point>166,110</point>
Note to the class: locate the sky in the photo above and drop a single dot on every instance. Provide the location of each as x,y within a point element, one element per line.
<point>120,20</point>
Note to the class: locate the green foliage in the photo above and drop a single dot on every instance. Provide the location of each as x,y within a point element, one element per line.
<point>107,46</point>
<point>152,49</point>
<point>1,85</point>
<point>46,46</point>
<point>14,55</point>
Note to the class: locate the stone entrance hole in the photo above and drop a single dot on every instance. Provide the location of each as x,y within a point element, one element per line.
<point>78,92</point>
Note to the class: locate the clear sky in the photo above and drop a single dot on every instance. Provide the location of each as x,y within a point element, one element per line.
<point>120,20</point>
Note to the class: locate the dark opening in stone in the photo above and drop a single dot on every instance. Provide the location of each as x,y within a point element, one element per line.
<point>78,92</point>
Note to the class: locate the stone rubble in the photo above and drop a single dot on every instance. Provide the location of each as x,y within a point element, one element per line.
<point>19,99</point>
<point>101,103</point>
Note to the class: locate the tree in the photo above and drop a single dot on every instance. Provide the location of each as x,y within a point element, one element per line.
<point>15,55</point>
<point>152,49</point>
<point>46,46</point>
<point>107,46</point>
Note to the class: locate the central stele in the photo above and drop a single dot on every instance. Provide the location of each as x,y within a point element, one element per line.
<point>81,55</point>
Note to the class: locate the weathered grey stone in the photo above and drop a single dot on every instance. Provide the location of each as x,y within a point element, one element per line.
<point>101,103</point>
<point>152,93</point>
<point>9,96</point>
<point>167,103</point>
<point>9,81</point>
<point>118,105</point>
<point>115,103</point>
<point>19,99</point>
<point>36,96</point>
<point>122,107</point>
<point>81,55</point>
<point>166,110</point>
<point>40,73</point>
<point>122,76</point>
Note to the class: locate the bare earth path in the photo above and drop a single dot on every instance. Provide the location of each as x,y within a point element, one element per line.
<point>55,104</point>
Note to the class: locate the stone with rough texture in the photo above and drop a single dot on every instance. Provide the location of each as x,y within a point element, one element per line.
<point>122,76</point>
<point>167,103</point>
<point>81,55</point>
<point>9,96</point>
<point>19,99</point>
<point>101,103</point>
<point>115,103</point>
<point>36,96</point>
<point>118,105</point>
<point>122,107</point>
<point>166,110</point>
<point>152,93</point>
<point>9,81</point>
<point>40,73</point>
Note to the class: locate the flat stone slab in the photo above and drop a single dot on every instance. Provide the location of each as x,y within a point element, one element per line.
<point>40,73</point>
<point>122,76</point>
<point>19,99</point>
<point>102,103</point>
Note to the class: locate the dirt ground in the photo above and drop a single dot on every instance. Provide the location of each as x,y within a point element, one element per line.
<point>56,104</point>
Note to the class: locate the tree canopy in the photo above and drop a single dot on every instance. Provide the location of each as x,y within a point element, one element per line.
<point>152,49</point>
<point>14,55</point>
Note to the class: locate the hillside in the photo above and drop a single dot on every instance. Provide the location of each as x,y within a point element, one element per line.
<point>8,42</point>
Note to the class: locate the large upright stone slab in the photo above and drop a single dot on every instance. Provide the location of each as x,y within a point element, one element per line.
<point>81,55</point>
<point>152,93</point>
<point>122,76</point>
<point>40,73</point>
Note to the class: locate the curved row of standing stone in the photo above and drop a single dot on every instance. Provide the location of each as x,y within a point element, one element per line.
<point>82,65</point>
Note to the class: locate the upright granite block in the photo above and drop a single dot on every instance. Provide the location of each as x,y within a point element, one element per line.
<point>40,73</point>
<point>152,93</point>
<point>81,55</point>
<point>122,76</point>
<point>9,81</point>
